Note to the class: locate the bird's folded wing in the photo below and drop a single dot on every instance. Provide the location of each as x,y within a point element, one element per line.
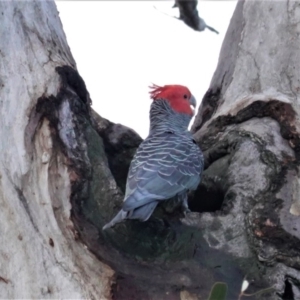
<point>163,166</point>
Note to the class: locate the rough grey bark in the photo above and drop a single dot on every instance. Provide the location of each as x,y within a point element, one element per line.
<point>248,126</point>
<point>40,255</point>
<point>63,170</point>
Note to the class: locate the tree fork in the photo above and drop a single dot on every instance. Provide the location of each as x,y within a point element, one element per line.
<point>63,169</point>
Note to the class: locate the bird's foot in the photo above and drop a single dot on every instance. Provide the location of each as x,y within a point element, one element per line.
<point>186,211</point>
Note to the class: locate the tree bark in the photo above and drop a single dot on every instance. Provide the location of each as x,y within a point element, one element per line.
<point>63,170</point>
<point>248,126</point>
<point>40,255</point>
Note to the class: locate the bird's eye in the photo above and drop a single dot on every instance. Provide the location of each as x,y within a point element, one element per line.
<point>185,96</point>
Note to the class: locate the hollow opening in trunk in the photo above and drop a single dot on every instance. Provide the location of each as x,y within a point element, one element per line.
<point>206,199</point>
<point>288,291</point>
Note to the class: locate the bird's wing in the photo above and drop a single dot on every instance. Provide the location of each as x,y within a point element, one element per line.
<point>164,165</point>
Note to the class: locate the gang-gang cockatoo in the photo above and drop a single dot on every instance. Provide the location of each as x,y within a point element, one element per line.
<point>168,163</point>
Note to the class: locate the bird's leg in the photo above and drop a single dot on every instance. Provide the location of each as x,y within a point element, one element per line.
<point>183,197</point>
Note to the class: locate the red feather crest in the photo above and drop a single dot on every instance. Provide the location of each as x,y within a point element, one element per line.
<point>155,90</point>
<point>177,95</point>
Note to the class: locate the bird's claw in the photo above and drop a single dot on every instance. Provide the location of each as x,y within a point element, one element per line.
<point>186,211</point>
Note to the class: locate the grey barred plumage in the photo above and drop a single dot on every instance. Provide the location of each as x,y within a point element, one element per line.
<point>168,163</point>
<point>164,118</point>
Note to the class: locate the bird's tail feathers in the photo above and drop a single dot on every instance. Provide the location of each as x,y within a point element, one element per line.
<point>144,212</point>
<point>138,200</point>
<point>121,215</point>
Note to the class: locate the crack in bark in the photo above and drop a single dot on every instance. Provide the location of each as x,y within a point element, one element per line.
<point>223,76</point>
<point>209,105</point>
<point>26,207</point>
<point>71,78</point>
<point>257,80</point>
<point>290,82</point>
<point>4,280</point>
<point>281,112</point>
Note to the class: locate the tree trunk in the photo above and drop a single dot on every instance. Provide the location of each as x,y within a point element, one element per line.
<point>248,126</point>
<point>63,170</point>
<point>40,255</point>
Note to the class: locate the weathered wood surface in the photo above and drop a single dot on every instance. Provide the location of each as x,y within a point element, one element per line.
<point>39,254</point>
<point>63,170</point>
<point>248,126</point>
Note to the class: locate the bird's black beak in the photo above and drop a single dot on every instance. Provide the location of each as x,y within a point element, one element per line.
<point>193,104</point>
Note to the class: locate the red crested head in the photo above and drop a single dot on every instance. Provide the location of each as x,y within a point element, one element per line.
<point>179,97</point>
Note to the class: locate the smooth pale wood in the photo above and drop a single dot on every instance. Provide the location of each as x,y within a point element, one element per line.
<point>259,57</point>
<point>39,255</point>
